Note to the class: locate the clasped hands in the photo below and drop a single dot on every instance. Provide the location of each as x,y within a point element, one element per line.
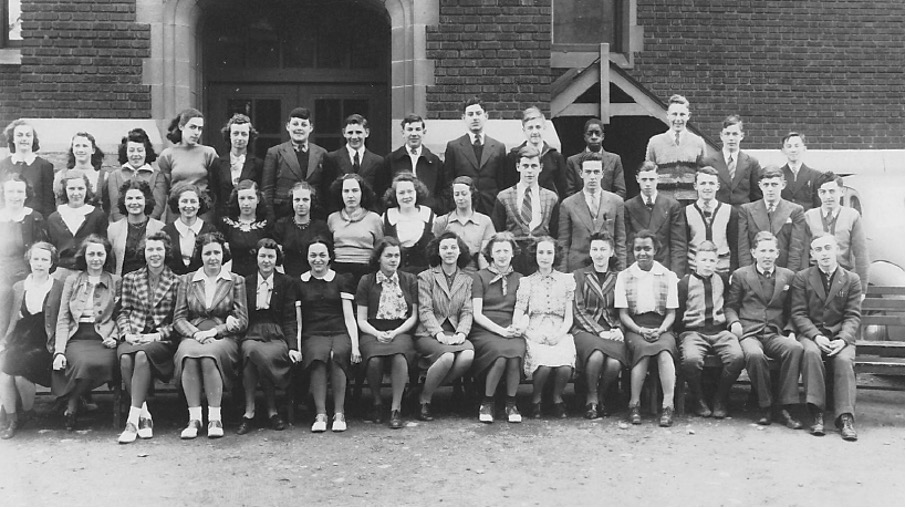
<point>450,340</point>
<point>828,346</point>
<point>650,334</point>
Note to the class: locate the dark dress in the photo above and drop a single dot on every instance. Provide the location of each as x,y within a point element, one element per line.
<point>324,326</point>
<point>175,262</point>
<point>26,352</point>
<point>242,238</point>
<point>134,258</point>
<point>272,330</point>
<point>295,240</point>
<point>67,242</point>
<point>594,312</point>
<point>498,308</point>
<point>413,259</point>
<point>38,178</point>
<point>369,295</point>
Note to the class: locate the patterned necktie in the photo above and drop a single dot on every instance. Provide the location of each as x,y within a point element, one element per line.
<point>731,166</point>
<point>356,163</point>
<point>476,147</point>
<point>771,218</point>
<point>677,139</point>
<point>526,210</point>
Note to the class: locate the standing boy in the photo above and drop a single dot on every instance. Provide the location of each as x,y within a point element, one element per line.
<point>738,171</point>
<point>413,157</point>
<point>354,157</point>
<point>777,216</point>
<point>677,152</point>
<point>612,179</point>
<point>800,179</point>
<point>553,172</point>
<point>291,162</point>
<point>660,214</point>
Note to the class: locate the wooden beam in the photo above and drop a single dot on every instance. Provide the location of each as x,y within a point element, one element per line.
<point>572,60</point>
<point>579,85</point>
<point>604,68</point>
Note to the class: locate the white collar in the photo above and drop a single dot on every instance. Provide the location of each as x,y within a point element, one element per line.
<point>200,276</point>
<point>75,212</point>
<point>795,167</point>
<point>28,159</point>
<point>237,158</point>
<point>645,199</point>
<point>472,137</point>
<point>701,203</point>
<point>30,285</point>
<point>418,151</point>
<point>183,230</point>
<point>5,215</point>
<point>144,167</point>
<point>266,281</point>
<point>591,194</point>
<point>520,188</point>
<point>328,277</point>
<point>728,153</point>
<point>352,152</point>
<point>656,269</point>
<point>453,217</point>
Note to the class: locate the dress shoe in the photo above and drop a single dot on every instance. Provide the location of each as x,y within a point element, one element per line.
<point>376,415</point>
<point>396,421</point>
<point>276,422</point>
<point>128,435</point>
<point>789,421</point>
<point>720,409</point>
<point>559,410</point>
<point>245,426</point>
<point>145,428</point>
<point>817,428</point>
<point>666,417</point>
<point>486,412</point>
<point>535,410</point>
<point>635,415</point>
<point>10,430</point>
<point>764,416</point>
<point>591,411</point>
<point>847,427</point>
<point>339,423</point>
<point>424,412</point>
<point>512,413</point>
<point>215,429</point>
<point>191,431</point>
<point>69,420</point>
<point>701,408</point>
<point>320,424</point>
<point>603,408</point>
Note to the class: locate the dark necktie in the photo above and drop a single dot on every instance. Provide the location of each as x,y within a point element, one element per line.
<point>477,148</point>
<point>649,203</point>
<point>731,166</point>
<point>356,163</point>
<point>526,210</point>
<point>829,222</point>
<point>771,219</point>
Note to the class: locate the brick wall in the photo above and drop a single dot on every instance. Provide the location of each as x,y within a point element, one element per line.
<point>496,49</point>
<point>831,69</point>
<point>83,59</point>
<point>9,94</point>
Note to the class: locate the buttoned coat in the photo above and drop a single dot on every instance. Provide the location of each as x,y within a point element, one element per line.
<point>801,190</point>
<point>437,304</point>
<point>490,175</point>
<point>51,310</point>
<point>75,293</point>
<point>339,164</point>
<point>176,251</point>
<point>743,187</point>
<point>282,171</point>
<point>837,314</point>
<point>229,300</point>
<point>667,220</point>
<point>788,226</point>
<point>283,303</point>
<point>577,225</point>
<point>757,312</point>
<point>140,303</point>
<point>612,178</point>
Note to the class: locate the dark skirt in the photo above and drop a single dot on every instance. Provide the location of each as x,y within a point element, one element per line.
<point>224,352</point>
<point>430,350</point>
<point>86,358</point>
<point>640,348</point>
<point>26,352</point>
<point>159,354</point>
<point>489,347</point>
<point>588,343</point>
<point>271,359</point>
<point>402,344</point>
<point>327,349</point>
<point>357,270</point>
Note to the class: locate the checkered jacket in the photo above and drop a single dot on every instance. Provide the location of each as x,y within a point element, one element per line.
<point>143,310</point>
<point>508,217</point>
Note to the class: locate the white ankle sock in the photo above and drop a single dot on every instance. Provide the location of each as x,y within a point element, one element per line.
<point>195,413</point>
<point>134,413</point>
<point>213,413</point>
<point>145,412</point>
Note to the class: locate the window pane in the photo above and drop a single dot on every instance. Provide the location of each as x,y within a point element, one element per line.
<point>267,116</point>
<point>14,20</point>
<point>328,115</point>
<point>242,106</point>
<point>264,44</point>
<point>584,21</point>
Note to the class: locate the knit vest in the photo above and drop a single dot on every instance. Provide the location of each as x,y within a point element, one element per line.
<point>699,232</point>
<point>661,291</point>
<point>705,303</point>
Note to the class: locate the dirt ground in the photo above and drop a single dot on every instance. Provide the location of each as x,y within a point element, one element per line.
<point>458,461</point>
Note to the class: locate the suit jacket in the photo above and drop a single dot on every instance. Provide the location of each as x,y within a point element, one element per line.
<point>117,233</point>
<point>507,217</point>
<point>756,311</point>
<point>613,179</point>
<point>490,174</point>
<point>221,180</point>
<point>140,303</point>
<point>837,315</point>
<point>743,187</point>
<point>281,171</point>
<point>553,174</point>
<point>577,225</point>
<point>788,226</point>
<point>51,311</point>
<point>339,164</point>
<point>802,190</point>
<point>229,300</point>
<point>175,261</point>
<point>437,304</point>
<point>667,220</point>
<point>104,302</point>
<point>429,169</point>
<point>282,306</point>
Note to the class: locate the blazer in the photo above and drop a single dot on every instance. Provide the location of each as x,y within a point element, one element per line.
<point>229,300</point>
<point>141,304</point>
<point>788,226</point>
<point>837,315</point>
<point>553,174</point>
<point>743,188</point>
<point>339,164</point>
<point>802,190</point>
<point>429,169</point>
<point>593,309</point>
<point>75,292</point>
<point>175,261</point>
<point>612,180</point>
<point>281,171</point>
<point>577,225</point>
<point>116,178</point>
<point>667,220</point>
<point>117,233</point>
<point>221,180</point>
<point>490,175</point>
<point>51,311</point>
<point>507,217</point>
<point>283,305</point>
<point>437,304</point>
<point>759,313</point>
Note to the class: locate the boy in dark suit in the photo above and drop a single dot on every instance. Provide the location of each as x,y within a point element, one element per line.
<point>354,157</point>
<point>757,310</point>
<point>777,216</point>
<point>553,172</point>
<point>479,157</point>
<point>612,178</point>
<point>737,170</point>
<point>660,214</point>
<point>414,157</point>
<point>800,179</point>
<point>827,313</point>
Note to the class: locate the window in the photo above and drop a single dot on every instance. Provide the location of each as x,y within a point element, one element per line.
<point>12,17</point>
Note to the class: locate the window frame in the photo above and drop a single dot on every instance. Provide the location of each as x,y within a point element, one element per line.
<point>5,41</point>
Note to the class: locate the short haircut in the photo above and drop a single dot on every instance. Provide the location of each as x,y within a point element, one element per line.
<point>528,152</point>
<point>270,243</point>
<point>471,101</point>
<point>677,99</point>
<point>233,204</point>
<point>533,251</point>
<point>321,240</point>
<point>531,113</point>
<point>181,188</point>
<point>136,135</point>
<point>706,170</point>
<point>356,119</point>
<point>302,113</point>
<point>706,246</point>
<point>379,248</point>
<point>412,118</point>
<point>303,185</point>
<point>822,235</point>
<point>96,239</point>
<point>336,188</point>
<point>97,158</point>
<point>174,131</point>
<point>208,238</point>
<point>501,237</point>
<point>827,177</point>
<point>593,121</point>
<point>140,185</point>
<point>10,133</point>
<point>17,178</point>
<point>239,119</point>
<point>771,172</point>
<point>731,120</point>
<point>764,236</point>
<point>433,250</point>
<point>49,247</point>
<point>601,236</point>
<point>158,236</point>
<point>421,191</point>
<point>73,174</point>
<point>793,134</point>
<point>647,166</point>
<point>642,235</point>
